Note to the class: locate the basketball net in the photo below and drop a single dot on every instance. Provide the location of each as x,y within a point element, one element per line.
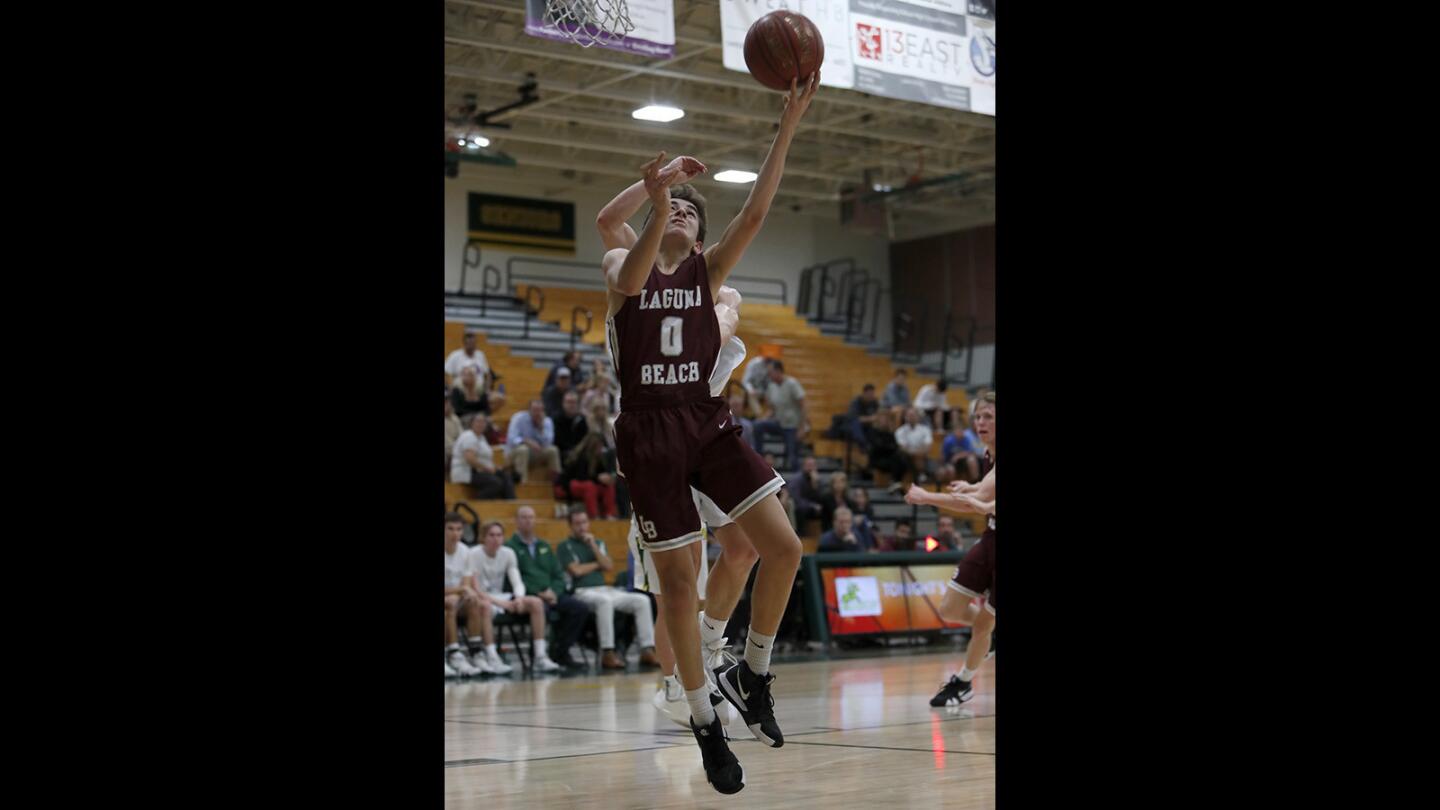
<point>590,22</point>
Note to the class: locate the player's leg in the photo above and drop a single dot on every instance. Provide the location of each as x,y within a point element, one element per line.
<point>958,606</point>
<point>979,647</point>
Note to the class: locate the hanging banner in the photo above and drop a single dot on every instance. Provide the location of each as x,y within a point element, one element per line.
<point>939,52</point>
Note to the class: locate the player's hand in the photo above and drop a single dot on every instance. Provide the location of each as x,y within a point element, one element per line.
<point>658,181</point>
<point>798,101</point>
<point>916,495</point>
<point>956,487</point>
<point>548,595</point>
<point>685,168</point>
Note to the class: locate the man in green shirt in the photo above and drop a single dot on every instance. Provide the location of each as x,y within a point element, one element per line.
<point>585,557</point>
<point>541,573</point>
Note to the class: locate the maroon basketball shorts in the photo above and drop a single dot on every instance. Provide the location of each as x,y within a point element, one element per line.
<point>975,576</point>
<point>664,451</point>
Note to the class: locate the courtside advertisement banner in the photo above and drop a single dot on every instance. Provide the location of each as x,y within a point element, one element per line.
<point>832,17</point>
<point>885,598</point>
<point>653,35</point>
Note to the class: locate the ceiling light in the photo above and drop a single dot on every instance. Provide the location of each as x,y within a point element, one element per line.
<point>735,176</point>
<point>479,141</point>
<point>658,113</point>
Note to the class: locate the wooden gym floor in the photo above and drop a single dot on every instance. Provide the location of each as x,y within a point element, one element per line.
<point>859,732</point>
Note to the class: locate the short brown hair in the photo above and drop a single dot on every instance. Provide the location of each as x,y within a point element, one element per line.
<point>687,192</point>
<point>453,517</point>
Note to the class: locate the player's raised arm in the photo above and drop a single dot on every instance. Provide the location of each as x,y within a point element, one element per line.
<point>627,277</point>
<point>613,222</point>
<point>722,256</point>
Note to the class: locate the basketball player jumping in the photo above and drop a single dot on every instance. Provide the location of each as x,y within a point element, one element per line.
<point>726,582</point>
<point>975,576</point>
<point>672,432</point>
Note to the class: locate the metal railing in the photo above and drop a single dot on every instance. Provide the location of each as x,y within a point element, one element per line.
<point>966,344</point>
<point>471,261</point>
<point>783,296</point>
<point>826,288</point>
<point>532,310</point>
<point>575,331</point>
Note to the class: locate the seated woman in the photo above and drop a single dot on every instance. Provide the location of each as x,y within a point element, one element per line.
<point>468,396</point>
<point>585,476</point>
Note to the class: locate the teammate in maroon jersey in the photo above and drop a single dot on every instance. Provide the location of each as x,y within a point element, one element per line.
<point>975,576</point>
<point>672,433</point>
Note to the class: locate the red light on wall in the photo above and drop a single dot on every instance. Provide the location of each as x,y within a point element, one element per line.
<point>931,543</point>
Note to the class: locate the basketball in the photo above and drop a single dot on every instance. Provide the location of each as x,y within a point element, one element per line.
<point>781,46</point>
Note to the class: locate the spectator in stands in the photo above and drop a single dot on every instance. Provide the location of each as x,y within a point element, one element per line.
<point>540,570</point>
<point>932,403</point>
<point>570,425</point>
<point>788,504</point>
<point>571,363</point>
<point>914,438</point>
<point>587,476</point>
<point>453,429</point>
<point>805,488</point>
<point>473,463</point>
<point>602,423</point>
<point>836,496</point>
<point>468,599</point>
<point>737,410</point>
<point>946,535</point>
<point>962,450</point>
<point>843,536</point>
<point>897,395</point>
<point>785,402</point>
<point>554,395</point>
<point>904,539</point>
<point>468,357</point>
<point>599,370</point>
<point>588,562</point>
<point>497,574</point>
<point>885,454</point>
<point>460,597</point>
<point>862,414</point>
<point>863,516</point>
<point>468,396</point>
<point>531,440</point>
<point>601,388</point>
<point>756,375</point>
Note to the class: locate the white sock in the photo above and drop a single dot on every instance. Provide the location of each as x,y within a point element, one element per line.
<point>757,651</point>
<point>491,652</point>
<point>452,648</point>
<point>967,674</point>
<point>700,708</point>
<point>540,648</point>
<point>671,682</point>
<point>475,642</point>
<point>711,630</point>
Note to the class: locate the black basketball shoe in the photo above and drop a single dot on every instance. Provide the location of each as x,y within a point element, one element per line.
<point>722,770</point>
<point>954,692</point>
<point>750,694</point>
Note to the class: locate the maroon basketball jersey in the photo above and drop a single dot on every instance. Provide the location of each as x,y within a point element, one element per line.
<point>664,341</point>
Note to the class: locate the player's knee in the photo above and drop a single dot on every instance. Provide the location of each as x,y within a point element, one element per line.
<point>739,557</point>
<point>953,606</point>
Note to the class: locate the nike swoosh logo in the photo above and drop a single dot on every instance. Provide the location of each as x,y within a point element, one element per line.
<point>743,693</point>
<point>723,424</point>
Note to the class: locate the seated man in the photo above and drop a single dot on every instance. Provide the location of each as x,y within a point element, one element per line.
<point>570,425</point>
<point>862,414</point>
<point>497,578</point>
<point>914,438</point>
<point>540,570</point>
<point>904,539</point>
<point>962,450</point>
<point>885,454</point>
<point>586,559</point>
<point>807,490</point>
<point>843,536</point>
<point>473,463</point>
<point>530,440</point>
<point>459,597</point>
<point>553,395</point>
